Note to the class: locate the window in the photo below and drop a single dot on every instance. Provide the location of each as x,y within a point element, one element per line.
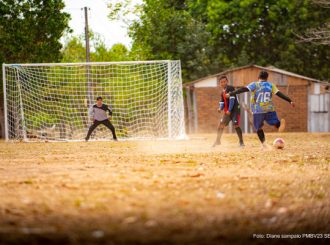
<point>320,103</point>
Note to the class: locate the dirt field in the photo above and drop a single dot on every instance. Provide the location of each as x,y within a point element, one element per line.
<point>162,192</point>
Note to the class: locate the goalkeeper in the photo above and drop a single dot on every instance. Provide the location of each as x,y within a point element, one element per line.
<point>231,108</point>
<point>99,114</point>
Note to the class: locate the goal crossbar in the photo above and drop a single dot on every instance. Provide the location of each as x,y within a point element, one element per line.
<point>92,63</point>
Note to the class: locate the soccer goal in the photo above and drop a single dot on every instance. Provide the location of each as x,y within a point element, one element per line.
<point>51,101</point>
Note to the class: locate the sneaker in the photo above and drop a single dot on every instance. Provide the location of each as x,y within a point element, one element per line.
<point>282,127</point>
<point>241,145</point>
<point>216,143</point>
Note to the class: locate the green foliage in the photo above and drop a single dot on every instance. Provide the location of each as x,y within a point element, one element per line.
<point>166,30</point>
<point>30,30</point>
<point>264,32</point>
<point>119,9</point>
<point>74,50</point>
<point>211,35</point>
<point>118,52</point>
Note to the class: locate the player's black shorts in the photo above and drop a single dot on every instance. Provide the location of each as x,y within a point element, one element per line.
<point>234,116</point>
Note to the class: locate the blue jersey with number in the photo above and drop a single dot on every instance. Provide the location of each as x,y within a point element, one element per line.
<point>261,97</point>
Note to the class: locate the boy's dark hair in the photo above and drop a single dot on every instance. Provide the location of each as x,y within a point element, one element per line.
<point>263,75</point>
<point>99,98</point>
<point>222,77</point>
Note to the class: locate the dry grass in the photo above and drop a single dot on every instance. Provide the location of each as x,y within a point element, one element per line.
<point>164,192</point>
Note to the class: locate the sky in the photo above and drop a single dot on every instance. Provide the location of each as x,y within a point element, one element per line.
<point>112,31</point>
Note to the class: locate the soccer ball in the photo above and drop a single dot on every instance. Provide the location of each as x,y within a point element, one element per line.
<point>279,143</point>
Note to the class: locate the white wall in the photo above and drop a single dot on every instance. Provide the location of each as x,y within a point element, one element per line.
<point>319,112</point>
<point>207,83</point>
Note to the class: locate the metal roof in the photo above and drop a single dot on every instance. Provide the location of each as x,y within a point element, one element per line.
<point>268,68</point>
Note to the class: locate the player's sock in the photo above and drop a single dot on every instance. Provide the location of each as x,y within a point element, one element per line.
<point>219,134</point>
<point>240,135</point>
<point>261,135</point>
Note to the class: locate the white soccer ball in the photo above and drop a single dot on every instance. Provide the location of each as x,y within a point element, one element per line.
<point>279,143</point>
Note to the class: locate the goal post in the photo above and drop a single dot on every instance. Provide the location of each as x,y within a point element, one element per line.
<point>5,110</point>
<point>51,101</point>
<point>169,98</point>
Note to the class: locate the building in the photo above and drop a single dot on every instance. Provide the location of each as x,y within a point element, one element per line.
<point>312,98</point>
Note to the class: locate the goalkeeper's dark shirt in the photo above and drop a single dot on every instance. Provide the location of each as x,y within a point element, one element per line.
<point>223,98</point>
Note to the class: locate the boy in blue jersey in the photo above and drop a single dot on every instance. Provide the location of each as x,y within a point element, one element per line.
<point>262,105</point>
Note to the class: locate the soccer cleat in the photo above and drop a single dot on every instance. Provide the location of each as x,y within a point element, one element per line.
<point>282,126</point>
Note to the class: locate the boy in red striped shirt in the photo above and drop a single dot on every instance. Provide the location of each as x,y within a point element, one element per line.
<point>231,109</point>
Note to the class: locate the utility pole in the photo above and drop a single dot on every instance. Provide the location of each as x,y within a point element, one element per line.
<point>88,70</point>
<point>87,35</point>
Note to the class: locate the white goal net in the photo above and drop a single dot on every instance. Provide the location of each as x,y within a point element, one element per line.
<point>51,101</point>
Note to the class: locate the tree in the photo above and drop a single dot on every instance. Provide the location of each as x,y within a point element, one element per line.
<point>211,35</point>
<point>167,30</point>
<point>119,52</point>
<point>321,34</point>
<point>262,32</point>
<point>74,50</point>
<point>30,30</point>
